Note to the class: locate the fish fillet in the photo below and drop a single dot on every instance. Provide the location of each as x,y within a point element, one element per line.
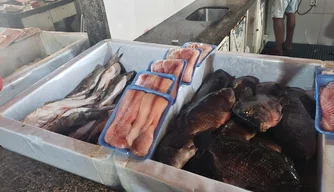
<point>47,113</point>
<point>190,55</point>
<point>154,82</point>
<point>28,32</point>
<point>327,107</point>
<point>170,66</point>
<point>126,114</point>
<point>206,49</point>
<point>11,36</point>
<point>143,143</point>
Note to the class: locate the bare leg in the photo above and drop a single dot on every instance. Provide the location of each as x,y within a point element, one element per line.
<point>290,27</point>
<point>279,34</point>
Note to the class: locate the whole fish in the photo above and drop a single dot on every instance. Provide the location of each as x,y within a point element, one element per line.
<point>115,88</point>
<point>307,100</point>
<point>243,164</point>
<point>267,140</point>
<point>47,113</point>
<point>213,82</point>
<point>260,112</point>
<point>96,132</point>
<point>88,83</point>
<point>268,88</point>
<point>113,68</point>
<point>83,131</point>
<point>245,86</point>
<point>296,133</point>
<point>213,110</point>
<point>75,117</point>
<point>234,129</point>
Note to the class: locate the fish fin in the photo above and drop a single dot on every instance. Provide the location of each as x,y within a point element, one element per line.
<point>204,139</point>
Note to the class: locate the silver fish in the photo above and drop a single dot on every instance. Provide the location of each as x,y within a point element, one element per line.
<point>75,117</point>
<point>113,68</point>
<point>47,113</point>
<point>115,88</point>
<point>88,83</point>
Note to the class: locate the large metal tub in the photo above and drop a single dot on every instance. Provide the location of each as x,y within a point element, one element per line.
<point>81,158</point>
<point>54,48</point>
<point>109,167</point>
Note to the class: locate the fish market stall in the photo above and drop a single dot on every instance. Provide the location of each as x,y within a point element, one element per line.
<point>45,140</point>
<point>25,62</point>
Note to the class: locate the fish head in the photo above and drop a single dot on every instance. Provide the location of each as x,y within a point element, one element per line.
<point>260,112</point>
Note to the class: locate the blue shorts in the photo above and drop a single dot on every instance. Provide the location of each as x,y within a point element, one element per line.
<point>280,7</point>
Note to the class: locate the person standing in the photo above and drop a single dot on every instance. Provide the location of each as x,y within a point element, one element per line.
<point>279,9</point>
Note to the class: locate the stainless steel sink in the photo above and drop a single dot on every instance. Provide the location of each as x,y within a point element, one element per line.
<point>208,14</point>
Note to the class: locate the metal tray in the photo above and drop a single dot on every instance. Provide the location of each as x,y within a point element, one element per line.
<point>81,158</point>
<point>53,48</point>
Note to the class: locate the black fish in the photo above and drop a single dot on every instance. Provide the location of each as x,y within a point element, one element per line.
<point>213,82</point>
<point>211,111</point>
<point>307,101</point>
<point>266,140</point>
<point>260,112</point>
<point>296,133</point>
<point>244,164</point>
<point>234,129</point>
<point>245,86</point>
<point>268,88</point>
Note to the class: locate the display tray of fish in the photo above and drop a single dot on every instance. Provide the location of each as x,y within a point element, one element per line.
<point>259,136</point>
<point>136,123</point>
<point>324,96</point>
<point>83,111</point>
<point>207,49</point>
<point>191,55</point>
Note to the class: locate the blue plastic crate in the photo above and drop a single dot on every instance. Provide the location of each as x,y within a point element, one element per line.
<point>156,132</point>
<point>321,81</point>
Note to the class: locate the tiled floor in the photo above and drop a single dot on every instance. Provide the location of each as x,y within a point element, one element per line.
<point>321,52</point>
<point>19,173</point>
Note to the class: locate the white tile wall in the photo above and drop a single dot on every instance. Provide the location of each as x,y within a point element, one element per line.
<point>327,30</point>
<point>128,19</point>
<point>316,27</point>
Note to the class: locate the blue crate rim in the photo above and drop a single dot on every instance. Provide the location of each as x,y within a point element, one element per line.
<point>156,132</point>
<point>185,63</point>
<point>214,49</point>
<point>318,116</point>
<point>163,75</point>
<point>195,66</point>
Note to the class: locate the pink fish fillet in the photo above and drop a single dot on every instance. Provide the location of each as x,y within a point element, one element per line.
<point>142,144</point>
<point>188,54</point>
<point>327,107</point>
<point>154,82</point>
<point>170,66</point>
<point>11,36</point>
<point>206,49</point>
<point>160,84</point>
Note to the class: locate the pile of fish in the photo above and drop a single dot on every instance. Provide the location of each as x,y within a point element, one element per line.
<point>83,113</point>
<point>257,136</point>
<point>10,35</point>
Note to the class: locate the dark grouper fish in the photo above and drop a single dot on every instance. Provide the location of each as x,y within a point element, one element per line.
<point>244,86</point>
<point>260,112</point>
<point>244,164</point>
<point>213,82</point>
<point>296,133</point>
<point>213,110</point>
